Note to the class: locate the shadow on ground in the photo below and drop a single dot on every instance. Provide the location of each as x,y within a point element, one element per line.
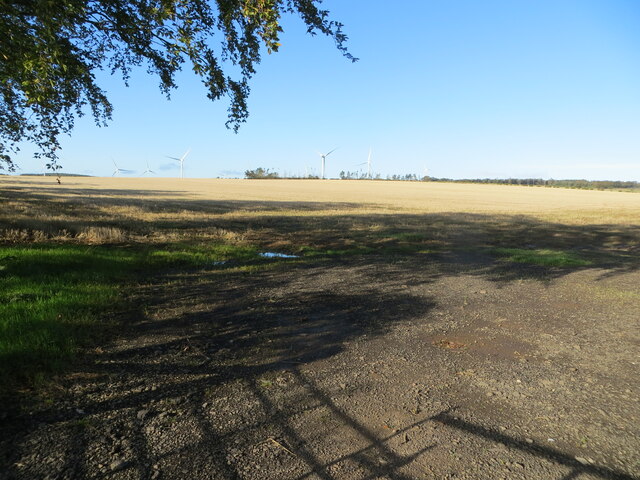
<point>170,366</point>
<point>213,377</point>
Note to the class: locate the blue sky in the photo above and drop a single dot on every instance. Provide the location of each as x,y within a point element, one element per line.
<point>462,88</point>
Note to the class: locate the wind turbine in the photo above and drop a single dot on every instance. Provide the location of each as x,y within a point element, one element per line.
<point>148,170</point>
<point>119,170</point>
<point>181,160</point>
<point>367,163</point>
<point>324,156</point>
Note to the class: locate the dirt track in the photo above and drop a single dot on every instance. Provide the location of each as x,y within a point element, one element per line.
<point>411,368</point>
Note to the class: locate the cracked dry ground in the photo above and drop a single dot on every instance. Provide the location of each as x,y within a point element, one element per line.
<point>366,368</point>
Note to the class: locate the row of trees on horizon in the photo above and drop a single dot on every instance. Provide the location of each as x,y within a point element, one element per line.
<point>265,173</point>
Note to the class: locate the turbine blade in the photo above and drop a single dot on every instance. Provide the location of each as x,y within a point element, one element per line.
<point>331,151</point>
<point>173,158</point>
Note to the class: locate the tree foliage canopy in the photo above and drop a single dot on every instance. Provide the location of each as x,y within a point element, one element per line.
<point>260,173</point>
<point>51,50</point>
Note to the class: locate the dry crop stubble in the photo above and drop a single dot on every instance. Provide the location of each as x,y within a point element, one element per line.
<point>313,217</point>
<point>148,201</point>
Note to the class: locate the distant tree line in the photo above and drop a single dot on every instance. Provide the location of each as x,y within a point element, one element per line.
<point>408,177</point>
<point>50,173</point>
<point>532,182</point>
<point>412,177</point>
<point>359,175</point>
<point>260,173</point>
<point>585,184</point>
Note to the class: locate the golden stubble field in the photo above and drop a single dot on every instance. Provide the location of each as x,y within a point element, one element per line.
<point>295,214</point>
<point>339,197</point>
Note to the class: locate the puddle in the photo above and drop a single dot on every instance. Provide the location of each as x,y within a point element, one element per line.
<point>277,255</point>
<point>220,262</point>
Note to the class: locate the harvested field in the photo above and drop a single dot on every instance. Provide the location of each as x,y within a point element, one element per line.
<point>422,331</point>
<point>329,195</point>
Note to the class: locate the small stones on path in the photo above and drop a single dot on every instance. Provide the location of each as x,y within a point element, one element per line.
<point>117,464</point>
<point>142,414</point>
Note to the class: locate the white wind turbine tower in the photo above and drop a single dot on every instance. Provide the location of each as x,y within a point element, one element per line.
<point>119,170</point>
<point>181,160</point>
<point>324,156</point>
<point>148,170</point>
<point>367,163</point>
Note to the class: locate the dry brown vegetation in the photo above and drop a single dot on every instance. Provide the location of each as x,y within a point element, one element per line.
<point>114,210</point>
<point>298,216</point>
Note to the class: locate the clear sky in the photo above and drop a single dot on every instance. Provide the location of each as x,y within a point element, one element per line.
<point>462,88</point>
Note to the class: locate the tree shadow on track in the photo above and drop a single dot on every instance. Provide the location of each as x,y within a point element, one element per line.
<point>577,468</point>
<point>215,380</point>
<point>166,367</point>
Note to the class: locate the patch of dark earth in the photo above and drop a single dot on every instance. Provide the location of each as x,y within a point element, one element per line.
<point>368,368</point>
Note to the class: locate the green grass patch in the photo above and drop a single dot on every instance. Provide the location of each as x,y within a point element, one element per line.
<point>54,298</point>
<point>49,298</point>
<point>544,257</point>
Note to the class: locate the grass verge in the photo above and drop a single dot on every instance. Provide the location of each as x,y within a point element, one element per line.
<point>544,257</point>
<point>54,299</point>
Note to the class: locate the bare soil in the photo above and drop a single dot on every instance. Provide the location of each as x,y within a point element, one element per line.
<point>401,368</point>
